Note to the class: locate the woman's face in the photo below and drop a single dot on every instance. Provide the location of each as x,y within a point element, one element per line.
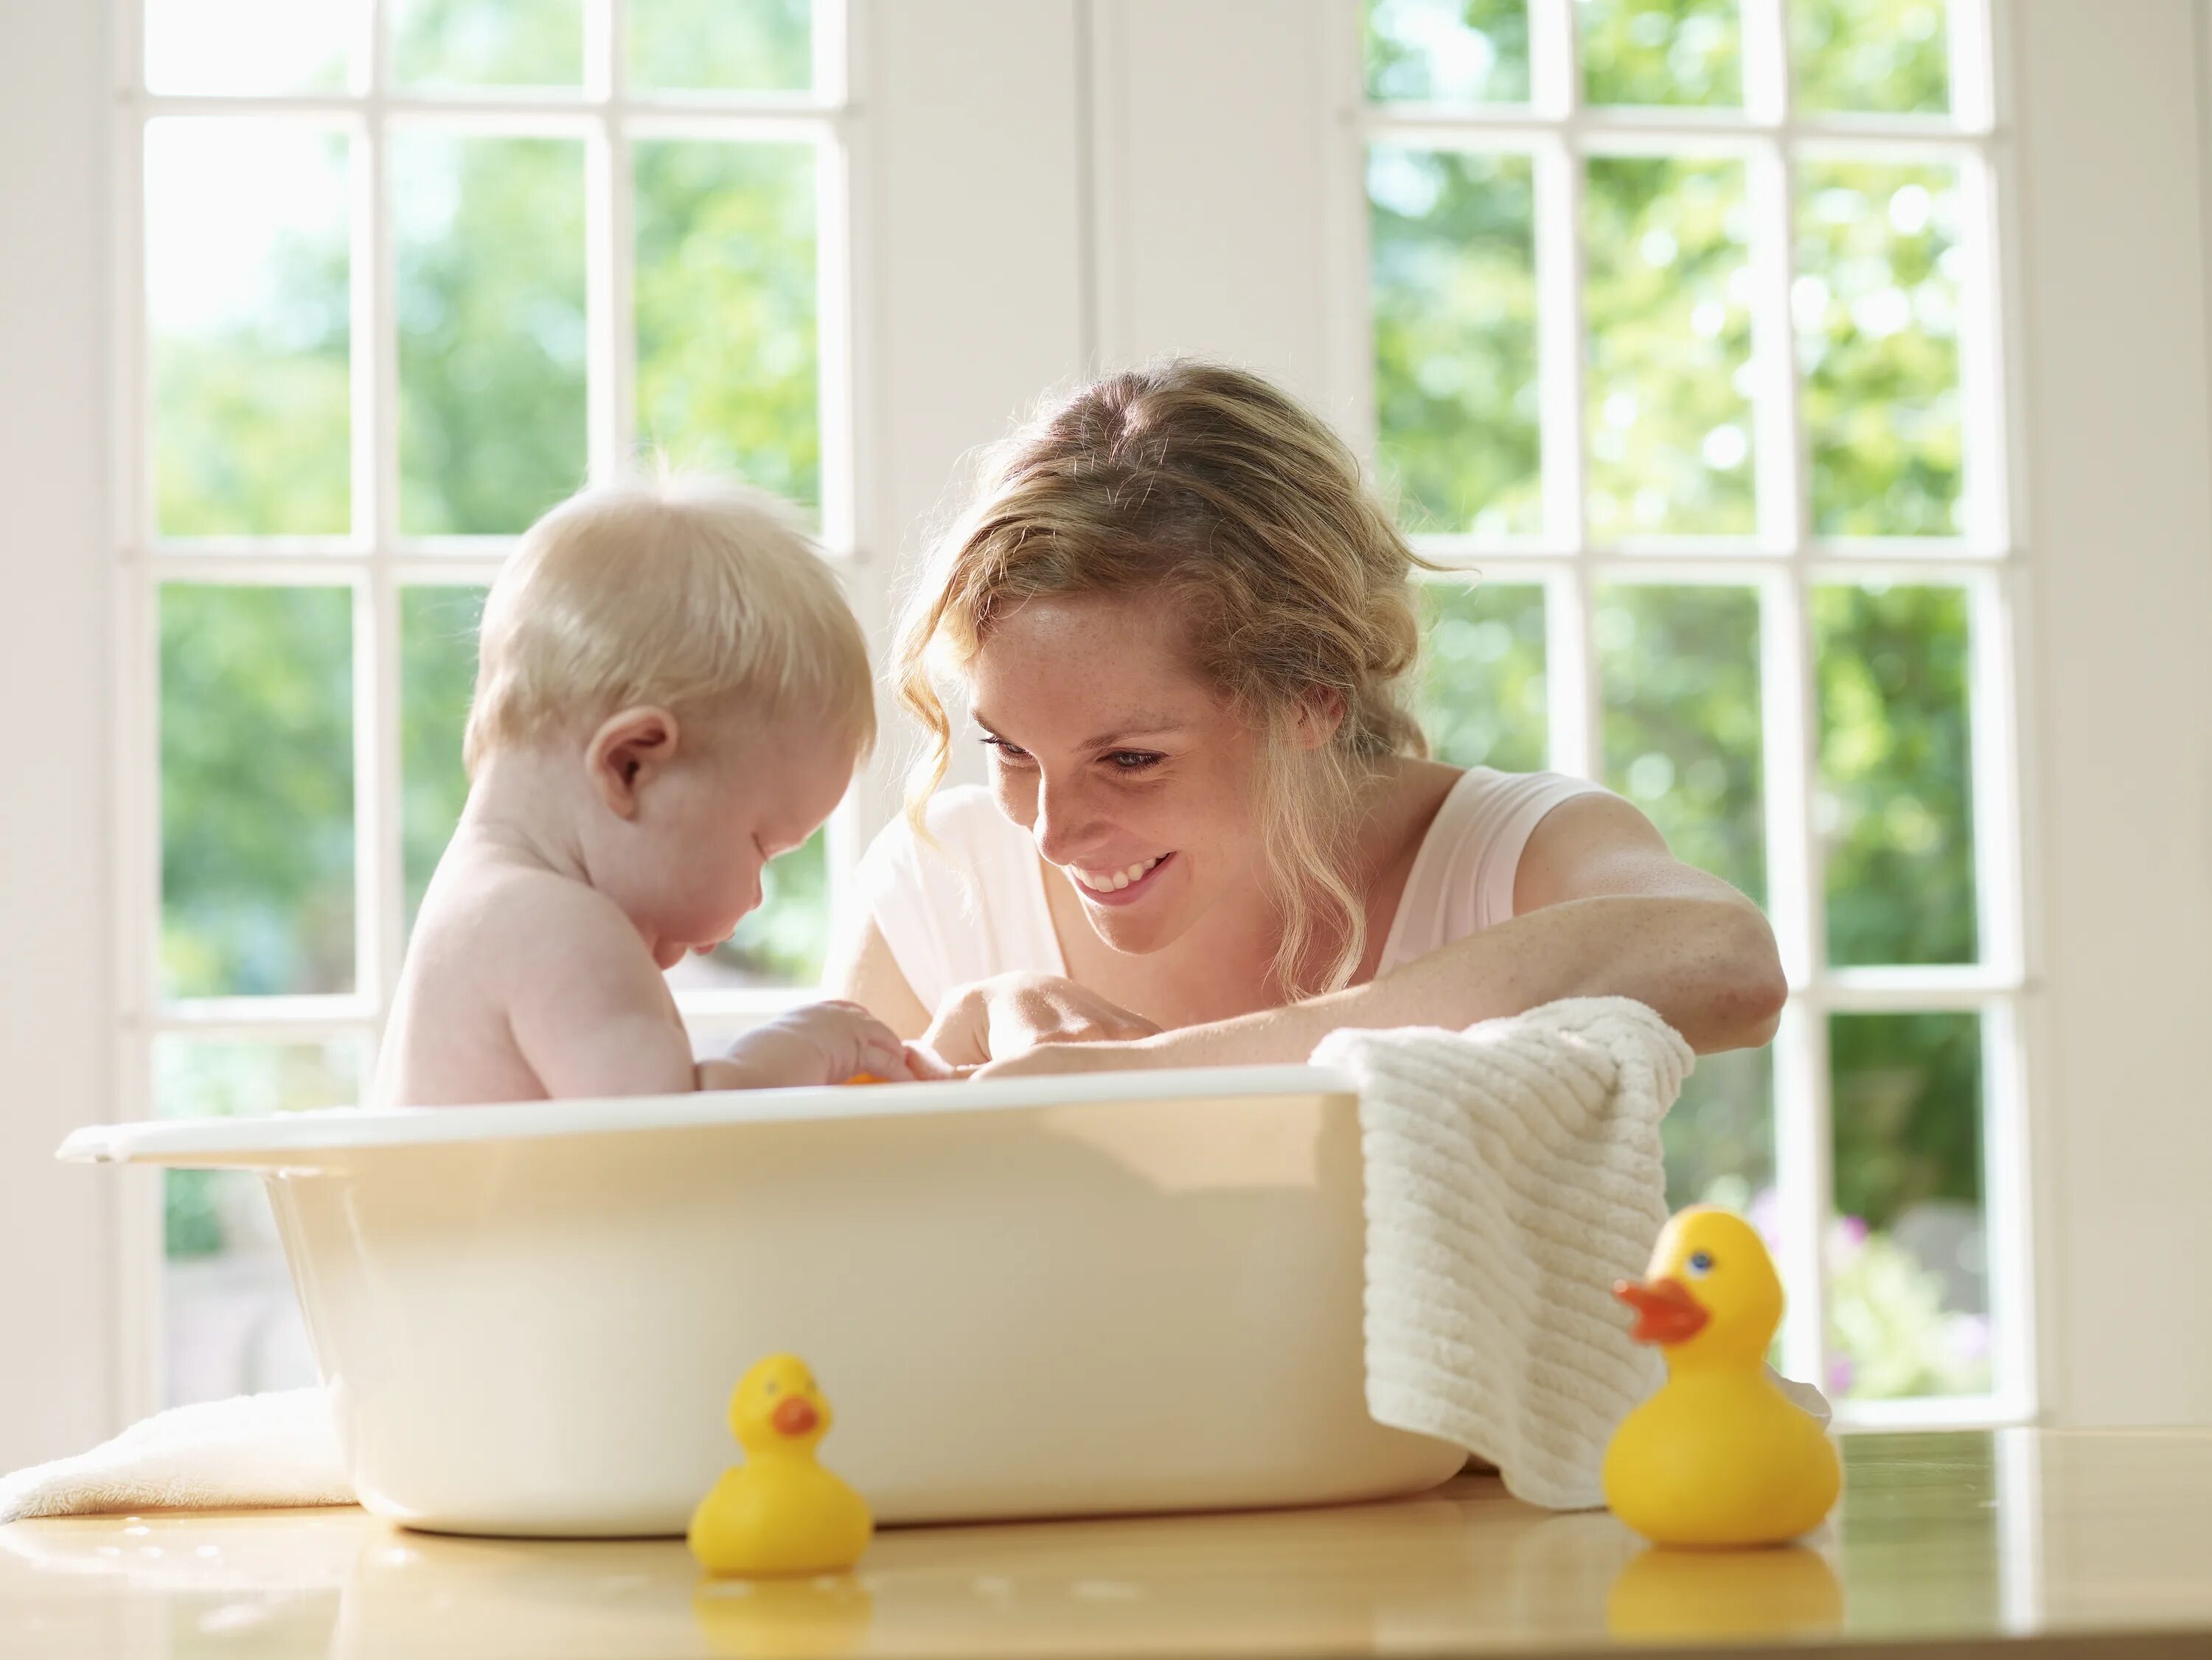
<point>1135,777</point>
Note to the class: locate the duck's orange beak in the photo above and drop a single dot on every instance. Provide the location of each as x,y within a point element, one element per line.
<point>1665,1311</point>
<point>795,1415</point>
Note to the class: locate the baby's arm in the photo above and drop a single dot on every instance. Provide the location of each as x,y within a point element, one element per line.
<point>589,1012</point>
<point>818,1043</point>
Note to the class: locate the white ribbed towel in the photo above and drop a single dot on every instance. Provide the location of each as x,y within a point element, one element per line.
<point>251,1452</point>
<point>1513,1174</point>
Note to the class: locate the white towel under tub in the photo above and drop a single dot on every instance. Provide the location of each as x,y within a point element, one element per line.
<point>251,1452</point>
<point>1513,1173</point>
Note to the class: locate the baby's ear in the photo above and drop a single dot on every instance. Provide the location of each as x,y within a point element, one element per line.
<point>630,749</point>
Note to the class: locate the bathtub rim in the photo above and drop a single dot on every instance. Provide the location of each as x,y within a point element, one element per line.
<point>220,1142</point>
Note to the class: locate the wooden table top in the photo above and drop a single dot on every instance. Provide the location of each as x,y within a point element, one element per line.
<point>1947,1543</point>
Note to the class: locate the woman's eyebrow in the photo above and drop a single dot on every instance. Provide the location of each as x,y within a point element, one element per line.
<point>1147,725</point>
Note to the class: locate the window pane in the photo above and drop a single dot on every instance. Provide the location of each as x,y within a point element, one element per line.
<point>1448,52</point>
<point>1454,272</point>
<point>1660,51</point>
<point>1877,307</point>
<point>1679,667</point>
<point>733,45</point>
<point>1908,1298</point>
<point>248,324</point>
<point>1482,674</point>
<point>257,790</point>
<point>727,367</point>
<point>437,675</point>
<point>1895,807</point>
<point>490,253</point>
<point>784,941</point>
<point>480,43</point>
<point>1668,299</point>
<point>1883,55</point>
<point>1720,1135</point>
<point>232,1323</point>
<point>248,45</point>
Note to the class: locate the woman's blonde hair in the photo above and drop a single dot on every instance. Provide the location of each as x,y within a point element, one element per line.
<point>688,592</point>
<point>1215,492</point>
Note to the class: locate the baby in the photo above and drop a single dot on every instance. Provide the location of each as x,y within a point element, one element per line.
<point>671,692</point>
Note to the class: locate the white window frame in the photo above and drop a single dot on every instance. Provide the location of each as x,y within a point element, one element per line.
<point>1782,560</point>
<point>375,560</point>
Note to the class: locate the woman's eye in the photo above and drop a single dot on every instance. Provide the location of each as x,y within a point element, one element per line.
<point>1132,760</point>
<point>1006,751</point>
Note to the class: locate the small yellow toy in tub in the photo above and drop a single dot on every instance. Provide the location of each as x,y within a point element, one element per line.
<point>780,1512</point>
<point>1719,1456</point>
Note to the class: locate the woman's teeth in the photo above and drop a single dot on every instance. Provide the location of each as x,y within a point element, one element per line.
<point>1112,882</point>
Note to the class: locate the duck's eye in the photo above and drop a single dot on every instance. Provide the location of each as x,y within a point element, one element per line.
<point>771,1386</point>
<point>1701,1262</point>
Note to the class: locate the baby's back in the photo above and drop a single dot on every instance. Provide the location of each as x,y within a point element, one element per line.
<point>451,1040</point>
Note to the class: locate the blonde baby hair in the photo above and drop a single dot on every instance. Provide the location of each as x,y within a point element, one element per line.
<point>690,592</point>
<point>1221,496</point>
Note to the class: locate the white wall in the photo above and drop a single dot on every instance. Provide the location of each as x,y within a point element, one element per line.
<point>56,1370</point>
<point>2112,102</point>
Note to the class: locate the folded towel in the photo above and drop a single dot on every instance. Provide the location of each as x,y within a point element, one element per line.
<point>251,1452</point>
<point>1513,1174</point>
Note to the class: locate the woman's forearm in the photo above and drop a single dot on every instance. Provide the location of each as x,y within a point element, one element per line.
<point>1707,965</point>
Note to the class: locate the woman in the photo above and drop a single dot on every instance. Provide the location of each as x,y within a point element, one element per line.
<point>1212,836</point>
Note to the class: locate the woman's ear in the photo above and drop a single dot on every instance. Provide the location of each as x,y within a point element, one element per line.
<point>1319,713</point>
<point>630,749</point>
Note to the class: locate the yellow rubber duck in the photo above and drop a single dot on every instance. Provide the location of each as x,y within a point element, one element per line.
<point>1719,1456</point>
<point>779,1512</point>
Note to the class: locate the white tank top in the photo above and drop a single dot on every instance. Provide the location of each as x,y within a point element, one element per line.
<point>974,905</point>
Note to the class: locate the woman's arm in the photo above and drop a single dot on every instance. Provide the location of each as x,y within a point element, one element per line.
<point>1602,909</point>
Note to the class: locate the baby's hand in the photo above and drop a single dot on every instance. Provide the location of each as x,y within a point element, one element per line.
<point>821,1042</point>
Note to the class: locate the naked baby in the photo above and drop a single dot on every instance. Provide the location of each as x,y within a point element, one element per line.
<point>671,692</point>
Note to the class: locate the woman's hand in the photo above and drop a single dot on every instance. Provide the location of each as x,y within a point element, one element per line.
<point>1010,1014</point>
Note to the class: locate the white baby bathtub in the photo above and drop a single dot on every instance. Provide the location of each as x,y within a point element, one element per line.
<point>1034,1297</point>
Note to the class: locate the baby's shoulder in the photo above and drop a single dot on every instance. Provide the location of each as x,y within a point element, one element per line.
<point>486,907</point>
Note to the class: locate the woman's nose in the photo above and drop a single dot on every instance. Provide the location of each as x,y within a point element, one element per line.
<point>1062,820</point>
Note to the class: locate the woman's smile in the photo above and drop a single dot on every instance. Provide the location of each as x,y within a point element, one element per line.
<point>1117,887</point>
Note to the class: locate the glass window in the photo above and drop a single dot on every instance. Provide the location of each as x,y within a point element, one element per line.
<point>1908,1265</point>
<point>248,299</point>
<point>1678,393</point>
<point>1877,307</point>
<point>1679,673</point>
<point>456,44</point>
<point>727,368</point>
<point>1667,295</point>
<point>437,677</point>
<point>489,241</point>
<point>1884,56</point>
<point>722,45</point>
<point>1660,51</point>
<point>354,403</point>
<point>257,790</point>
<point>1448,52</point>
<point>1452,236</point>
<point>193,47</point>
<point>1483,695</point>
<point>1894,808</point>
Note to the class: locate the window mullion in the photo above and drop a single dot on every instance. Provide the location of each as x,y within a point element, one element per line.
<point>610,253</point>
<point>1804,1184</point>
